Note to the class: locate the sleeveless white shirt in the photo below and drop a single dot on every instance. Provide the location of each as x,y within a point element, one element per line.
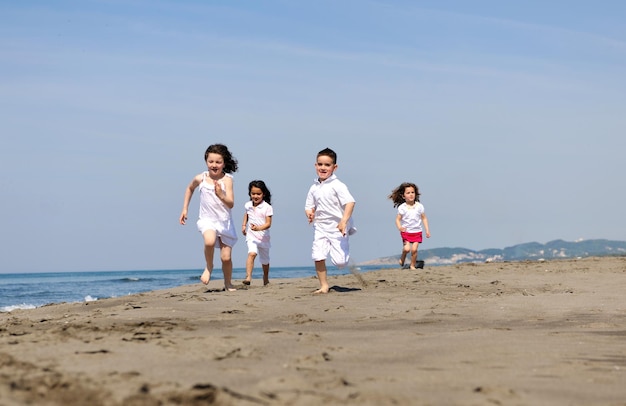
<point>211,207</point>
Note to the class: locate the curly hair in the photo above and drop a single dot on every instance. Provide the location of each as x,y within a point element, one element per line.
<point>230,163</point>
<point>397,195</point>
<point>267,195</point>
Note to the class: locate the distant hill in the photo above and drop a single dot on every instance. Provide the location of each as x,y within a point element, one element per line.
<point>557,249</point>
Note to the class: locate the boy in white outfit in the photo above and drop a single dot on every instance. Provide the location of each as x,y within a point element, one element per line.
<point>329,206</point>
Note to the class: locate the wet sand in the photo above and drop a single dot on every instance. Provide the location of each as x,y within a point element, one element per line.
<point>527,333</point>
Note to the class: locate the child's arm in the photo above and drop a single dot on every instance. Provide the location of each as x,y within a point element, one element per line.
<point>347,213</point>
<point>425,222</point>
<point>188,193</point>
<point>245,221</point>
<point>228,197</point>
<point>309,207</point>
<point>399,223</point>
<point>268,224</point>
<point>310,214</point>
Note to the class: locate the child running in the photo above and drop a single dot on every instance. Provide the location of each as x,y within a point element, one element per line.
<point>329,206</point>
<point>256,227</point>
<point>216,201</point>
<point>410,218</point>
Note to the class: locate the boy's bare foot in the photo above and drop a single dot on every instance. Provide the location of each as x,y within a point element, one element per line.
<point>246,282</point>
<point>401,264</point>
<point>206,276</point>
<point>266,283</point>
<point>230,288</point>
<point>321,290</point>
<point>412,268</point>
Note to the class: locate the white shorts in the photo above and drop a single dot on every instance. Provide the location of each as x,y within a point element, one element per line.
<point>333,244</point>
<point>223,229</point>
<point>262,252</point>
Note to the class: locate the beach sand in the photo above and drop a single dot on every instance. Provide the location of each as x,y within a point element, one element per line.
<point>527,333</point>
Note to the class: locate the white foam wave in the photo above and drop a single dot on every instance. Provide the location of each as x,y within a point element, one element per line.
<point>22,306</point>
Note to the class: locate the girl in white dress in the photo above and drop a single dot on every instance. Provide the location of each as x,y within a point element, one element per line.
<point>215,218</point>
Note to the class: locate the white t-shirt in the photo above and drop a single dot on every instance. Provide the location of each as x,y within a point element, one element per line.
<point>411,217</point>
<point>328,198</point>
<point>257,215</point>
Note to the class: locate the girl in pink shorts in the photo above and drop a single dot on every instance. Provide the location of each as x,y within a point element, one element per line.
<point>410,220</point>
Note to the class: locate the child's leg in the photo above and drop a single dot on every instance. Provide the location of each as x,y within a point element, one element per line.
<point>414,254</point>
<point>264,257</point>
<point>339,250</point>
<point>406,247</point>
<point>209,237</point>
<point>266,273</point>
<point>320,269</point>
<point>319,252</point>
<point>227,267</point>
<point>249,266</point>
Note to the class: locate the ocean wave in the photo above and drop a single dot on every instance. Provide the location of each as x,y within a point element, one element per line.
<point>136,279</point>
<point>22,306</point>
<point>25,306</point>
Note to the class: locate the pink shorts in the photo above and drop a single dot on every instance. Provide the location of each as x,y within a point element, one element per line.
<point>411,237</point>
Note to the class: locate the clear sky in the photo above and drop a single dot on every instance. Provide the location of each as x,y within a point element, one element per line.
<point>510,117</point>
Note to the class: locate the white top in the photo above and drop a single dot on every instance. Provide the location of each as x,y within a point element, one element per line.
<point>329,199</point>
<point>211,207</point>
<point>411,217</point>
<point>257,215</point>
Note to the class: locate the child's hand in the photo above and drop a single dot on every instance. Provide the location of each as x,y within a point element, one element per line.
<point>183,217</point>
<point>218,188</point>
<point>310,215</point>
<point>342,227</point>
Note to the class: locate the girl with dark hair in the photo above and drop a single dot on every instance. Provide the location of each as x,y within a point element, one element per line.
<point>409,220</point>
<point>256,227</point>
<point>216,201</point>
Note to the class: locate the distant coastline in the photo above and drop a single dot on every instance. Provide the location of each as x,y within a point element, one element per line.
<point>557,249</point>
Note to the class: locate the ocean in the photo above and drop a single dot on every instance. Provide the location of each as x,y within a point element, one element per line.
<point>31,290</point>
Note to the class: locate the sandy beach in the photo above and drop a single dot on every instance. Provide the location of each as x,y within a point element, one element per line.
<point>528,333</point>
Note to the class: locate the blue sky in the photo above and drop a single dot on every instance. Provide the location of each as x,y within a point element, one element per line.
<point>508,115</point>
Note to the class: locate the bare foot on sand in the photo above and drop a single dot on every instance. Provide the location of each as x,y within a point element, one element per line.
<point>321,290</point>
<point>413,268</point>
<point>401,264</point>
<point>230,288</point>
<point>206,276</point>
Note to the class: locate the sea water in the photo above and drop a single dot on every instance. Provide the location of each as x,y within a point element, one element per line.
<point>30,290</point>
